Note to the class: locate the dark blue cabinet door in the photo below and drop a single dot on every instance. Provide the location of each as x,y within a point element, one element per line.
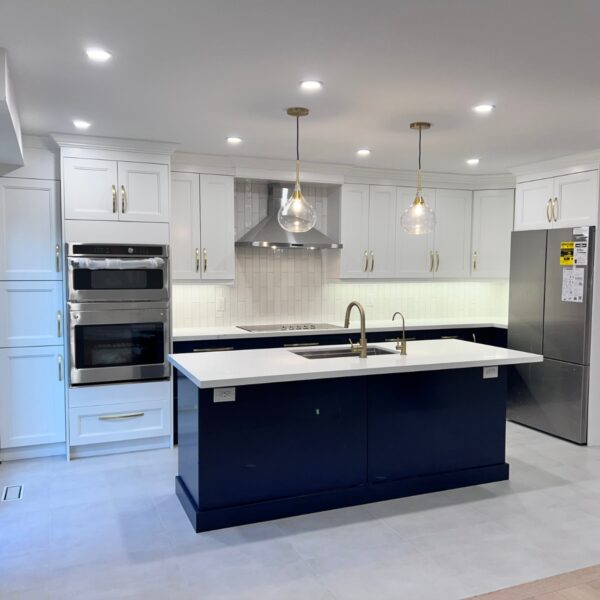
<point>435,422</point>
<point>292,438</point>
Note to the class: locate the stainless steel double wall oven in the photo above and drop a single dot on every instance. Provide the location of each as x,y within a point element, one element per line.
<point>119,318</point>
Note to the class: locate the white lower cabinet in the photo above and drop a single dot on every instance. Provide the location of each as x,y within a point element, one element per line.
<point>32,396</point>
<point>31,313</point>
<point>492,228</point>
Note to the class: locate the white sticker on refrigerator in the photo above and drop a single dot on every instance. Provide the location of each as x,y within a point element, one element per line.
<point>580,253</point>
<point>585,231</point>
<point>572,285</point>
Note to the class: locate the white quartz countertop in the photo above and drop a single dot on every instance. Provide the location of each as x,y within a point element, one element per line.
<point>249,367</point>
<point>187,334</point>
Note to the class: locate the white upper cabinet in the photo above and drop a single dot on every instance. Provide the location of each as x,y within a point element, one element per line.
<point>202,227</point>
<point>107,190</point>
<point>355,231</point>
<point>185,226</point>
<point>414,253</point>
<point>31,313</point>
<point>368,231</point>
<point>564,201</point>
<point>143,192</point>
<point>382,231</point>
<point>30,247</point>
<point>32,396</point>
<point>452,238</point>
<point>492,227</point>
<point>217,227</point>
<point>575,200</point>
<point>90,189</point>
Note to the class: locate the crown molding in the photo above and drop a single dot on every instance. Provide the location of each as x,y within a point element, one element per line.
<point>562,165</point>
<point>243,167</point>
<point>65,140</point>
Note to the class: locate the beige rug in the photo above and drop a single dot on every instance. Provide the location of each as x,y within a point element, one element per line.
<point>583,584</point>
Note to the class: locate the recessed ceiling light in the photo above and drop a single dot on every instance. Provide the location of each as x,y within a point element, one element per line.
<point>363,152</point>
<point>311,85</point>
<point>234,140</point>
<point>472,161</point>
<point>484,109</point>
<point>98,54</point>
<point>80,124</point>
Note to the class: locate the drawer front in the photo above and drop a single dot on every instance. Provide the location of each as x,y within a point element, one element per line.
<point>118,422</point>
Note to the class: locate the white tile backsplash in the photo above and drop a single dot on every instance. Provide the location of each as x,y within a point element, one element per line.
<point>275,286</point>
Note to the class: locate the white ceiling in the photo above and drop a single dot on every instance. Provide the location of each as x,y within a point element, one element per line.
<point>196,71</point>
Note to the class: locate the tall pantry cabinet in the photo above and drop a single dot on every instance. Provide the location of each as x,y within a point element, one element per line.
<point>32,396</point>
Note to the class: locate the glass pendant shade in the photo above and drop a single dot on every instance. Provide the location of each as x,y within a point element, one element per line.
<point>296,214</point>
<point>418,218</point>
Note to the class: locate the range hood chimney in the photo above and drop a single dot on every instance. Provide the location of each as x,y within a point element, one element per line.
<point>269,234</point>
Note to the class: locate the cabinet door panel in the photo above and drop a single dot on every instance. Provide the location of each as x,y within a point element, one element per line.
<point>29,229</point>
<point>143,192</point>
<point>532,204</point>
<point>382,231</point>
<point>354,231</point>
<point>31,313</point>
<point>217,227</point>
<point>492,227</point>
<point>413,252</point>
<point>576,201</point>
<point>32,397</point>
<point>90,189</point>
<point>185,226</point>
<point>453,233</point>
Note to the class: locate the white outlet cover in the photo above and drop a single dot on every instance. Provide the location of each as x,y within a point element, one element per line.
<point>490,372</point>
<point>224,394</point>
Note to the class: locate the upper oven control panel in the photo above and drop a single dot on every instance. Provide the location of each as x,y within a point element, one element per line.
<point>105,250</point>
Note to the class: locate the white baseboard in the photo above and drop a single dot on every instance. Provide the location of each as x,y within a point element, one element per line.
<point>40,451</point>
<point>121,447</point>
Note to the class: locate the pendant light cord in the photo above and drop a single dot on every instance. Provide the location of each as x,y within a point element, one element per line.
<point>297,137</point>
<point>419,184</point>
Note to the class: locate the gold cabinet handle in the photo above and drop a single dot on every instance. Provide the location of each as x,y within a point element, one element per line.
<point>223,349</point>
<point>366,262</point>
<point>372,261</point>
<point>205,259</point>
<point>60,367</point>
<point>301,344</point>
<point>474,338</point>
<point>475,260</point>
<point>57,257</point>
<point>437,261</point>
<point>431,261</point>
<point>555,209</point>
<point>197,260</point>
<point>132,415</point>
<point>114,198</point>
<point>450,337</point>
<point>549,210</point>
<point>123,200</point>
<point>59,322</point>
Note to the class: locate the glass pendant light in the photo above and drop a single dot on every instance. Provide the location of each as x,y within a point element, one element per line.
<point>297,215</point>
<point>418,218</point>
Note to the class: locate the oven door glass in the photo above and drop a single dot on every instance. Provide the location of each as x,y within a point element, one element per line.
<point>118,279</point>
<point>119,345</point>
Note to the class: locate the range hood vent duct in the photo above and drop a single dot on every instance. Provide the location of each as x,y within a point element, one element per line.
<point>269,234</point>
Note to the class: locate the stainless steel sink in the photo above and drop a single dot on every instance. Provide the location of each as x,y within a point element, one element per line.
<point>340,352</point>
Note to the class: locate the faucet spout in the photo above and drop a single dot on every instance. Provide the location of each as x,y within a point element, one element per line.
<point>401,342</point>
<point>361,347</point>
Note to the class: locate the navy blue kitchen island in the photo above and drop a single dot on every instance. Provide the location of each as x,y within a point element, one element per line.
<point>324,441</point>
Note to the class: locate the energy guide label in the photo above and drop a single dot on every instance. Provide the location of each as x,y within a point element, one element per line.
<point>572,285</point>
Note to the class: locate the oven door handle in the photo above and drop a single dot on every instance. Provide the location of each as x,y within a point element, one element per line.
<point>119,264</point>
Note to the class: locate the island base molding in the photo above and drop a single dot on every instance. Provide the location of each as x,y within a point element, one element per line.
<point>208,520</point>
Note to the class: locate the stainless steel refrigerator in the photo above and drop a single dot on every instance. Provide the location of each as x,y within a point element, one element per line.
<point>550,313</point>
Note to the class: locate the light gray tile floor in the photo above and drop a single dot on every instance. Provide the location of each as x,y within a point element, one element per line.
<point>111,527</point>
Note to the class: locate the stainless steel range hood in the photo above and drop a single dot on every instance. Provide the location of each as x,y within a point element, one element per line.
<point>269,234</point>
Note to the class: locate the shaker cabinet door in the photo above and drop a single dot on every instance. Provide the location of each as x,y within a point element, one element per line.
<point>533,204</point>
<point>382,231</point>
<point>30,245</point>
<point>576,199</point>
<point>143,192</point>
<point>354,259</point>
<point>185,226</point>
<point>32,396</point>
<point>90,189</point>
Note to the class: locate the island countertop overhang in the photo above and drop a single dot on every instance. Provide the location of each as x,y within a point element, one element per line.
<point>274,365</point>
